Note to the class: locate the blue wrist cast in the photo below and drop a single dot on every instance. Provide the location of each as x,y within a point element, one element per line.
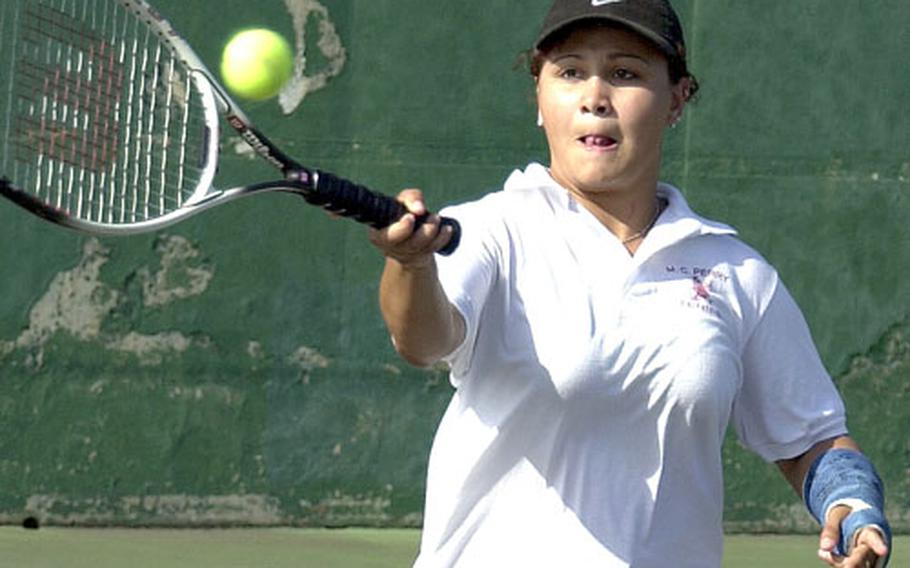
<point>840,475</point>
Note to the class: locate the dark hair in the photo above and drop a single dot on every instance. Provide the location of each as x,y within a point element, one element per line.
<point>676,64</point>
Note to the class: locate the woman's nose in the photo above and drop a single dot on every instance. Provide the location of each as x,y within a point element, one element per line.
<point>597,97</point>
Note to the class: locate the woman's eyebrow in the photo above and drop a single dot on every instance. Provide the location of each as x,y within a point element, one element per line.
<point>561,56</point>
<point>610,56</point>
<point>629,55</point>
<point>633,55</point>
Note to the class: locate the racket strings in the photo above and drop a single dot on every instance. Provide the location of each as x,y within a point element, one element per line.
<point>106,123</point>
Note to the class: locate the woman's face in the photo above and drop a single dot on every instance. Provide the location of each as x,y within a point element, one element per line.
<point>605,98</point>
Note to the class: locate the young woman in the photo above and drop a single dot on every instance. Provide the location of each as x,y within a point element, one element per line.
<point>602,336</point>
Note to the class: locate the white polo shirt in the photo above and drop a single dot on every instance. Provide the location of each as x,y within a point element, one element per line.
<point>594,389</point>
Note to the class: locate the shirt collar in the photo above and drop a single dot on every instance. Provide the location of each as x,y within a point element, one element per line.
<point>680,221</point>
<point>677,221</point>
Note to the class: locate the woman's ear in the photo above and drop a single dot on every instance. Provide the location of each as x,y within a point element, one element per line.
<point>680,94</point>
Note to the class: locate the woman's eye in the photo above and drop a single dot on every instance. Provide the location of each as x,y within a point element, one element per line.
<point>570,73</point>
<point>624,74</point>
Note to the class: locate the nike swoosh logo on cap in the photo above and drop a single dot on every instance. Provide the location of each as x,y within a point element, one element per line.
<point>603,2</point>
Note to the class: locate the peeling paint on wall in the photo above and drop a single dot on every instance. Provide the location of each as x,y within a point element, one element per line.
<point>242,148</point>
<point>307,359</point>
<point>391,369</point>
<point>78,302</point>
<point>329,43</point>
<point>180,276</point>
<point>880,377</point>
<point>341,508</point>
<point>785,518</point>
<point>151,349</point>
<point>225,396</point>
<point>215,510</point>
<point>889,355</point>
<point>254,350</point>
<point>368,425</point>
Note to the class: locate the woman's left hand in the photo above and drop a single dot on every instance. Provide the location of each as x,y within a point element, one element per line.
<point>868,548</point>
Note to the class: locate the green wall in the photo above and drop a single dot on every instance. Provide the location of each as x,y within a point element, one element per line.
<point>235,369</point>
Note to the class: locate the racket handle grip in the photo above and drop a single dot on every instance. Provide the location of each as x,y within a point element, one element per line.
<point>377,210</point>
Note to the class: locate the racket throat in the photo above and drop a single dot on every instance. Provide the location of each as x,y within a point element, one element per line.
<point>300,176</point>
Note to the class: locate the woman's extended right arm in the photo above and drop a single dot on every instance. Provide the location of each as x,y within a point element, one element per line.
<point>423,324</point>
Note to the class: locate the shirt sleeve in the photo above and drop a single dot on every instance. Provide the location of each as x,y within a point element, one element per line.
<point>467,276</point>
<point>788,401</point>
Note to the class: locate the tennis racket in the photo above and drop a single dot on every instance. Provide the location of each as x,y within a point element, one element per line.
<point>111,125</point>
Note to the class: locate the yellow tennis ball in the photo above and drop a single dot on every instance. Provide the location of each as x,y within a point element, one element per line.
<point>256,63</point>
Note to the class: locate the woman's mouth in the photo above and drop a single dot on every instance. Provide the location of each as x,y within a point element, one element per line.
<point>598,142</point>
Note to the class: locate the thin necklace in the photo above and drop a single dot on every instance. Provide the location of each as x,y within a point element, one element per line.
<point>641,234</point>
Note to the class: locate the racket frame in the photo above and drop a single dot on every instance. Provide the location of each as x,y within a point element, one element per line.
<point>217,104</point>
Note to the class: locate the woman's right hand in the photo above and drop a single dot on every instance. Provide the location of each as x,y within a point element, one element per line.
<point>423,324</point>
<point>410,247</point>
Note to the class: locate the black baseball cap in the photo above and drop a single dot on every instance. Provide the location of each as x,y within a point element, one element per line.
<point>654,19</point>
